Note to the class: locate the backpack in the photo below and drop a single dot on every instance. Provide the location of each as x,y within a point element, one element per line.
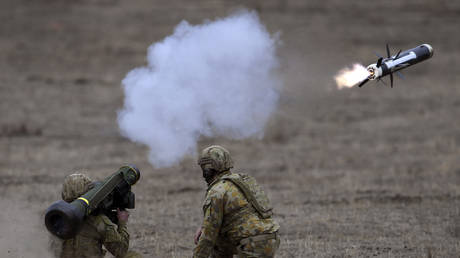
<point>253,193</point>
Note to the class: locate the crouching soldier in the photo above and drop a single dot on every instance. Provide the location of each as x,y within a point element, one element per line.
<point>237,214</point>
<point>97,230</point>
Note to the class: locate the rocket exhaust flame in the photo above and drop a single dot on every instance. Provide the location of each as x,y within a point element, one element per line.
<point>347,78</point>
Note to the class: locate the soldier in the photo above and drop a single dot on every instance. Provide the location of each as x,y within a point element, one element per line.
<point>97,229</point>
<point>237,214</point>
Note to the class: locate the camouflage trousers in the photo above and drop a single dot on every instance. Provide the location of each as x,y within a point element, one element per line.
<point>261,246</point>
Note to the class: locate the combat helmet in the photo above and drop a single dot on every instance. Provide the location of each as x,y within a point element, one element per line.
<point>74,186</point>
<point>216,157</point>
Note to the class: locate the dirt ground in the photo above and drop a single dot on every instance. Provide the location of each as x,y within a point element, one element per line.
<point>371,172</point>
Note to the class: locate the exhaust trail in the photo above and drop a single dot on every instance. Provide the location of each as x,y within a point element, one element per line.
<point>218,78</point>
<point>347,78</point>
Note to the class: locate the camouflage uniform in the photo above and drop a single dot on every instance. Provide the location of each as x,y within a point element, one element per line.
<point>97,230</point>
<point>232,223</point>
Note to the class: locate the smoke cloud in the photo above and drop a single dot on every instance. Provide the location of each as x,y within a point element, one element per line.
<point>214,79</point>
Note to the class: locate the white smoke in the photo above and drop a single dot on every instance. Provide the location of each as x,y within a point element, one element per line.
<point>214,79</point>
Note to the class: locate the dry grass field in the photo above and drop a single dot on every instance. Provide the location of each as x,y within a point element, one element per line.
<point>370,172</point>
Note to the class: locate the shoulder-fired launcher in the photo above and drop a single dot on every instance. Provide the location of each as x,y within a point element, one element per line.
<point>64,220</point>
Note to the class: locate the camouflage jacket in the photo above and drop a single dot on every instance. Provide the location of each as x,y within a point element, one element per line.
<point>97,231</point>
<point>229,217</point>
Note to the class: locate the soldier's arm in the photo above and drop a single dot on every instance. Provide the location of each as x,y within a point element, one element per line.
<point>115,239</point>
<point>213,215</point>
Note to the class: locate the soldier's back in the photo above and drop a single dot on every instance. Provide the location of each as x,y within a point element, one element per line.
<point>241,219</point>
<point>88,242</point>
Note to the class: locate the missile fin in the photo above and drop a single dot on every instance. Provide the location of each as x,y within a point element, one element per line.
<point>363,82</point>
<point>391,79</point>
<point>397,55</point>
<point>379,62</point>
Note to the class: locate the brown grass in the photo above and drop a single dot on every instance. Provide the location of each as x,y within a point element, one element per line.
<point>354,173</point>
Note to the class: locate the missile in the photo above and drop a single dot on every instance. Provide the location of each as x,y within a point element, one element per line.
<point>391,64</point>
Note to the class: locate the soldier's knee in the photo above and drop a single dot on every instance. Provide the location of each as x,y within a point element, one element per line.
<point>263,248</point>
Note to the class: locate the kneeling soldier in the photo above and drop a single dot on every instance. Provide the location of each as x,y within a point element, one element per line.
<point>237,214</point>
<point>97,229</point>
